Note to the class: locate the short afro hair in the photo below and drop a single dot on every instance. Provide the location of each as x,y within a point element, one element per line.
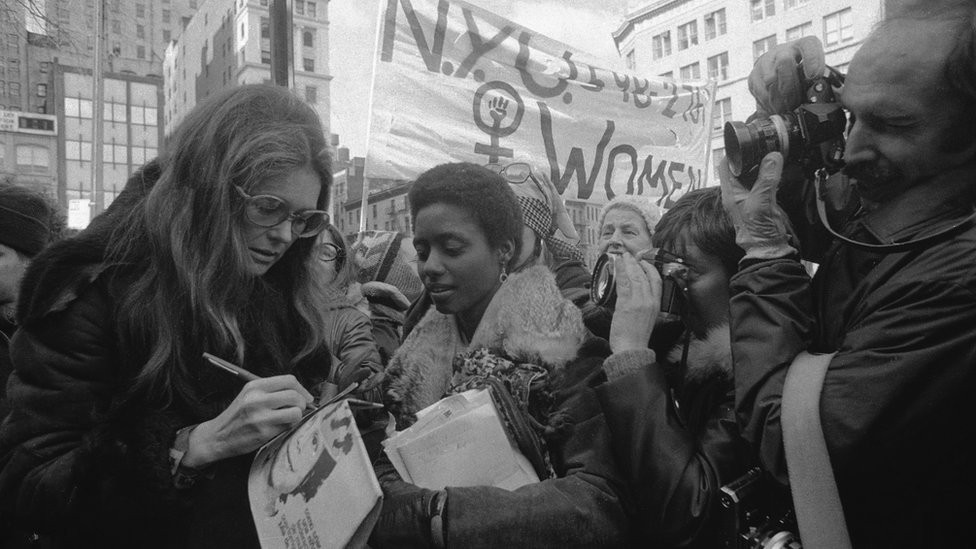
<point>700,215</point>
<point>482,193</point>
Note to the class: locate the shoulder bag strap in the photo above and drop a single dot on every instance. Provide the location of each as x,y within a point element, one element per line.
<point>819,514</point>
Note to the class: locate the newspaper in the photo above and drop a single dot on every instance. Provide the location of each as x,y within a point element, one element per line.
<point>459,441</point>
<point>313,486</point>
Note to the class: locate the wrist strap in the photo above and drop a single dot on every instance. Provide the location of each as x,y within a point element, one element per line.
<point>819,514</point>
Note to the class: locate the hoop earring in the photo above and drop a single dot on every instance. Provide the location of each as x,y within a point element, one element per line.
<point>504,276</point>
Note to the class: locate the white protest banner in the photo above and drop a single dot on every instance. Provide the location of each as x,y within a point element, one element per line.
<point>454,82</point>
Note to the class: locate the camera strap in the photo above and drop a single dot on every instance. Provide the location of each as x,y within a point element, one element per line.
<point>819,513</point>
<point>821,176</point>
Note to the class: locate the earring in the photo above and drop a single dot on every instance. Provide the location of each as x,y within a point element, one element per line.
<point>504,276</point>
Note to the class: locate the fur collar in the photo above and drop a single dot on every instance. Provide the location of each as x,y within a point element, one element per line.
<point>527,320</point>
<point>708,358</point>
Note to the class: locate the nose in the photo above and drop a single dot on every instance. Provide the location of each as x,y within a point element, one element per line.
<point>859,148</point>
<point>282,232</point>
<point>430,268</point>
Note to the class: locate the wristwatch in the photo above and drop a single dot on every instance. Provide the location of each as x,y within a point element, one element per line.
<point>183,477</point>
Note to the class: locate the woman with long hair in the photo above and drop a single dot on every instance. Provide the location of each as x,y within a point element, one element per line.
<point>121,434</point>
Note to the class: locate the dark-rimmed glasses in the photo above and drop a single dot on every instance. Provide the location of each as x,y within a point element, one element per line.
<point>265,210</point>
<point>330,252</point>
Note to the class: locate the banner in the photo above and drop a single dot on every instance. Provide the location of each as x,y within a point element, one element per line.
<point>453,82</point>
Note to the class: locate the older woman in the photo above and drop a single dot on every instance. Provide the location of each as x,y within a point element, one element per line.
<point>121,435</point>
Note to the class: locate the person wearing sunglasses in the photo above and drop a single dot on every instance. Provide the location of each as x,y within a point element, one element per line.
<point>121,434</point>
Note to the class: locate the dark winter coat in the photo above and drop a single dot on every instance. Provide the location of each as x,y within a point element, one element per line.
<point>897,399</point>
<point>87,468</point>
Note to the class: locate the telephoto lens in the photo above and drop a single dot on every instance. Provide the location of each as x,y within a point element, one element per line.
<point>747,143</point>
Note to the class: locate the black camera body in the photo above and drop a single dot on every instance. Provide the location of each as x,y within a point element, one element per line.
<point>812,135</point>
<point>603,286</point>
<point>753,518</point>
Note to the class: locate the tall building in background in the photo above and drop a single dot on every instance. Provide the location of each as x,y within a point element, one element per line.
<point>228,42</point>
<point>75,137</point>
<point>721,39</point>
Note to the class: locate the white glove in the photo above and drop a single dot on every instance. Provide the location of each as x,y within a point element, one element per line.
<point>761,227</point>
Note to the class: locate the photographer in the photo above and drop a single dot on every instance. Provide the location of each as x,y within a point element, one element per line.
<point>901,318</point>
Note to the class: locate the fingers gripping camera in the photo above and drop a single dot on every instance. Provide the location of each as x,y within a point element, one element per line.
<point>673,271</point>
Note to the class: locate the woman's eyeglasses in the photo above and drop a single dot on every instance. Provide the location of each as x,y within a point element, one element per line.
<point>265,210</point>
<point>330,252</point>
<point>517,173</point>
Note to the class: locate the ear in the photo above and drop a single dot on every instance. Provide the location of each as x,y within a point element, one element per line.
<point>506,251</point>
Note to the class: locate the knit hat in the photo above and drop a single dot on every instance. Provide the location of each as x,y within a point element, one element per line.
<point>643,206</point>
<point>382,256</point>
<point>24,218</point>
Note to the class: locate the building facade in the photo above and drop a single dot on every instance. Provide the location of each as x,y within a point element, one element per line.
<point>721,39</point>
<point>228,42</point>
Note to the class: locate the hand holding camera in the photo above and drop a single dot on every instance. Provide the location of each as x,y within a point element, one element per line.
<point>638,289</point>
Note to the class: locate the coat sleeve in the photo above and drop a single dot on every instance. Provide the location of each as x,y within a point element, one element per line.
<point>356,348</point>
<point>673,474</point>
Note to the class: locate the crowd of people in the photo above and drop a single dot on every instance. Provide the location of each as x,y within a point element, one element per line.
<point>633,413</point>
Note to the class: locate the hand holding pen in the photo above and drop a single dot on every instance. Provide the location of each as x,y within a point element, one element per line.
<point>264,408</point>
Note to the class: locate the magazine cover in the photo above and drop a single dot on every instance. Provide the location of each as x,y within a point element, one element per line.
<point>314,486</point>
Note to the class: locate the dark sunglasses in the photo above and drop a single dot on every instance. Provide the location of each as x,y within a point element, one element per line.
<point>265,210</point>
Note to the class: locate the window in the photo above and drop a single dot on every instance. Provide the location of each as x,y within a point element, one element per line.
<point>799,31</point>
<point>140,10</point>
<point>691,72</point>
<point>308,64</point>
<point>116,26</point>
<point>792,4</point>
<point>32,158</point>
<point>13,89</point>
<point>308,38</point>
<point>3,87</point>
<point>311,94</point>
<point>166,35</point>
<point>717,156</point>
<point>687,35</point>
<point>310,9</point>
<point>265,28</point>
<point>762,45</point>
<point>166,16</point>
<point>722,113</point>
<point>114,154</point>
<point>113,112</point>
<point>142,115</point>
<point>45,67</point>
<point>263,3</point>
<point>140,31</point>
<point>761,9</point>
<point>77,108</point>
<point>193,4</point>
<point>661,45</point>
<point>299,7</point>
<point>265,57</point>
<point>631,60</point>
<point>838,27</point>
<point>141,155</point>
<point>42,90</point>
<point>140,52</point>
<point>718,67</point>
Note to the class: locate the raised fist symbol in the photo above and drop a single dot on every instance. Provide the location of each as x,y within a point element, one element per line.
<point>498,108</point>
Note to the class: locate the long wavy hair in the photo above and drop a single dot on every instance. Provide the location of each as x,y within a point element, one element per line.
<point>190,290</point>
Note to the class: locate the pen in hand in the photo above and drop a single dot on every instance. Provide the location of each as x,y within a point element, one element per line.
<point>239,372</point>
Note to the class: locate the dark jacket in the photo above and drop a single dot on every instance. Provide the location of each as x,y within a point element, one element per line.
<point>896,403</point>
<point>85,466</point>
<point>7,330</point>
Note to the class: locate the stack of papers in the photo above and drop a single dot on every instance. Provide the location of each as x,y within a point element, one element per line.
<point>459,441</point>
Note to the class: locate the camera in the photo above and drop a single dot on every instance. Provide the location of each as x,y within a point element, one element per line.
<point>754,518</point>
<point>812,135</point>
<point>603,286</point>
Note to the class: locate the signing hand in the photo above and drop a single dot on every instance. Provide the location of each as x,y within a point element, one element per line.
<point>263,409</point>
<point>638,303</point>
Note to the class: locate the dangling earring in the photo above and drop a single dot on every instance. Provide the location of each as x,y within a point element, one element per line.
<point>504,276</point>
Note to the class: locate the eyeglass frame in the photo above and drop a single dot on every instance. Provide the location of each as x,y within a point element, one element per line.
<point>529,174</point>
<point>340,254</point>
<point>292,216</point>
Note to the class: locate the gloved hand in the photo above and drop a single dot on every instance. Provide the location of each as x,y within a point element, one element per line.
<point>761,227</point>
<point>775,81</point>
<point>405,520</point>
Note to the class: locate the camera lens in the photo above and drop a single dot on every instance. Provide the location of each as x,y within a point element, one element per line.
<point>747,143</point>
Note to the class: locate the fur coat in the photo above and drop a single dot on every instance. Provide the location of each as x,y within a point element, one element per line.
<point>527,321</point>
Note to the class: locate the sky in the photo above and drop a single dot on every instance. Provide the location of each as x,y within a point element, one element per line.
<point>583,24</point>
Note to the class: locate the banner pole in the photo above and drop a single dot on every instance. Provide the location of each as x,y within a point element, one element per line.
<point>369,113</point>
